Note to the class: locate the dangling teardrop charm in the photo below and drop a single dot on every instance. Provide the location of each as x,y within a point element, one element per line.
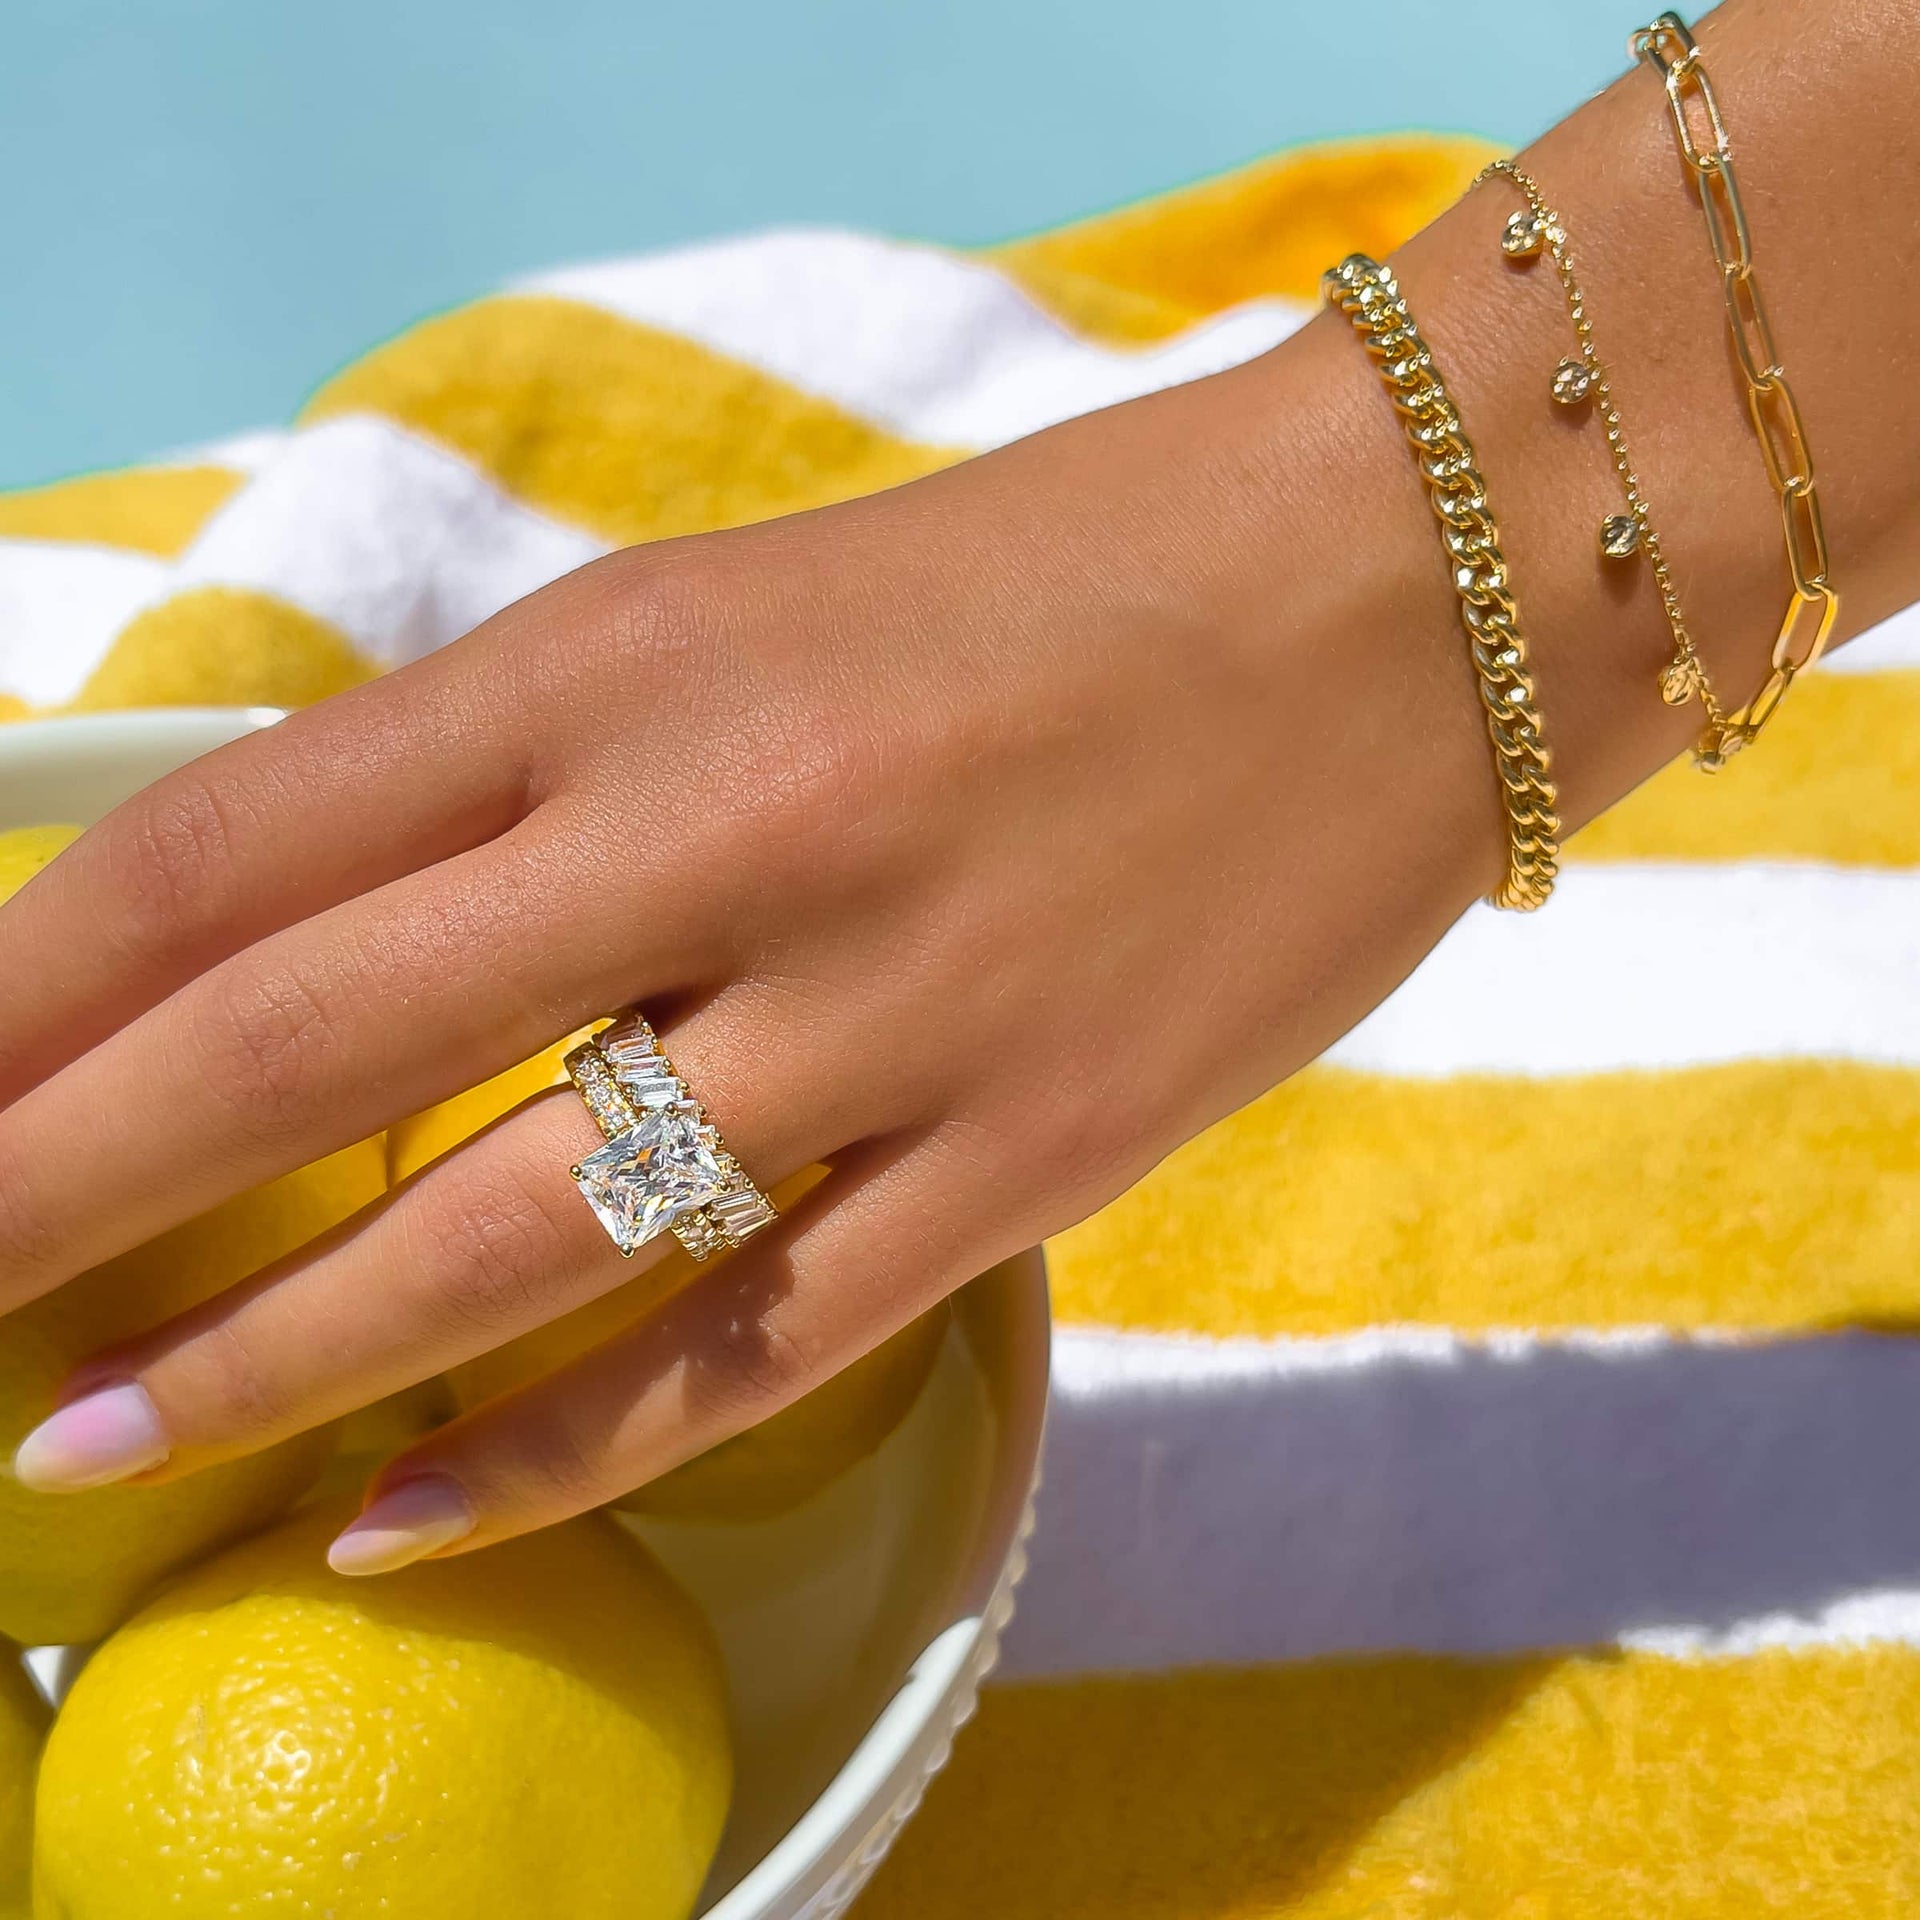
<point>1572,382</point>
<point>1523,236</point>
<point>1619,536</point>
<point>1679,682</point>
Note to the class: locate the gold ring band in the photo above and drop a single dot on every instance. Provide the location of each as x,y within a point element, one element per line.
<point>663,1166</point>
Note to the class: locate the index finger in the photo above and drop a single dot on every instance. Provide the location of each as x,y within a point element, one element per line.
<point>365,788</point>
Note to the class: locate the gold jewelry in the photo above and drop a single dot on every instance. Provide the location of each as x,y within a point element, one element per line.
<point>663,1166</point>
<point>1370,297</point>
<point>1526,235</point>
<point>1668,47</point>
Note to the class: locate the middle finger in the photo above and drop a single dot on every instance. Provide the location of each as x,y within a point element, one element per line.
<point>311,1040</point>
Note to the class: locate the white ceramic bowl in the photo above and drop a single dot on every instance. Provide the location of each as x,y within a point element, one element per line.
<point>857,1630</point>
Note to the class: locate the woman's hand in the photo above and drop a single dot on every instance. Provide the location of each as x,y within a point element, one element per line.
<point>985,839</point>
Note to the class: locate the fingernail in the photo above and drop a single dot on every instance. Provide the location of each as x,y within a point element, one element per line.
<point>417,1518</point>
<point>109,1435</point>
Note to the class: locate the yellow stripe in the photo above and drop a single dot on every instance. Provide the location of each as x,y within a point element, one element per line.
<point>1835,778</point>
<point>1094,308</point>
<point>630,432</point>
<point>1145,271</point>
<point>1597,1788</point>
<point>1766,1194</point>
<point>154,510</point>
<point>224,646</point>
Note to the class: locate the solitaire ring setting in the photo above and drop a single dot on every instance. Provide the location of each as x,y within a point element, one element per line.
<point>663,1167</point>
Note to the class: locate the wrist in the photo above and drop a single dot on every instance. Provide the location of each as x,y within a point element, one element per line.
<point>1342,587</point>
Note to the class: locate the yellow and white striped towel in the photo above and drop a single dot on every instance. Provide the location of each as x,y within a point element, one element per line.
<point>1483,1476</point>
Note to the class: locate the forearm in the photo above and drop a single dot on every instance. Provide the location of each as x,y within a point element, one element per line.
<point>1821,106</point>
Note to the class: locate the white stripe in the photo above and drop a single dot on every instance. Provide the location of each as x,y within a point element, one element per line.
<point>61,604</point>
<point>1661,966</point>
<point>1234,1502</point>
<point>1886,1615</point>
<point>1893,643</point>
<point>242,452</point>
<point>1091,1361</point>
<point>396,541</point>
<point>927,344</point>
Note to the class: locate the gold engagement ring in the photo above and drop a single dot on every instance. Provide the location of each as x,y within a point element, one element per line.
<point>664,1166</point>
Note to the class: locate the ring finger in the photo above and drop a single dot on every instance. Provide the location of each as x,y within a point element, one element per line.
<point>904,1225</point>
<point>487,1243</point>
<point>319,1037</point>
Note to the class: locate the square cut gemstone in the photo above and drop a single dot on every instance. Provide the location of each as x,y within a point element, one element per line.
<point>643,1180</point>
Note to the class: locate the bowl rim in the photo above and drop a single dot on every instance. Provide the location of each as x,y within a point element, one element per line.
<point>816,1867</point>
<point>38,729</point>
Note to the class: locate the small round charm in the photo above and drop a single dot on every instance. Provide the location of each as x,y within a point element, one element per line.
<point>1678,682</point>
<point>1572,382</point>
<point>1619,536</point>
<point>1523,236</point>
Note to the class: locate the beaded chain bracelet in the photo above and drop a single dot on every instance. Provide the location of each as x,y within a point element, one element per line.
<point>1369,296</point>
<point>1536,229</point>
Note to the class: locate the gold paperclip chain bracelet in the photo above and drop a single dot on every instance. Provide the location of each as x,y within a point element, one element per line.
<point>1668,47</point>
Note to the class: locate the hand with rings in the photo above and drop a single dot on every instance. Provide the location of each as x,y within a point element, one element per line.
<point>981,841</point>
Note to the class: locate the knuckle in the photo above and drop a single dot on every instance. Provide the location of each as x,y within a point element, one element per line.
<point>745,1370</point>
<point>793,764</point>
<point>569,1470</point>
<point>1071,1141</point>
<point>789,789</point>
<point>264,1048</point>
<point>169,859</point>
<point>235,1395</point>
<point>662,613</point>
<point>819,771</point>
<point>493,1258</point>
<point>27,1241</point>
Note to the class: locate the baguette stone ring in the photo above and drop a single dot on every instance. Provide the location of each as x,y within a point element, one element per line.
<point>663,1166</point>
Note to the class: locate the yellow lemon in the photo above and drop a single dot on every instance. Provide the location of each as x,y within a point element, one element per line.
<point>411,1144</point>
<point>367,1440</point>
<point>25,850</point>
<point>23,1723</point>
<point>72,1566</point>
<point>539,1728</point>
<point>378,1432</point>
<point>766,1471</point>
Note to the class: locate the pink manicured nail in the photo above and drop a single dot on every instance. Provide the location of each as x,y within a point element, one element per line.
<point>417,1518</point>
<point>111,1434</point>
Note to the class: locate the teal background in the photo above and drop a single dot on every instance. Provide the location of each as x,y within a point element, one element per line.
<point>209,204</point>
